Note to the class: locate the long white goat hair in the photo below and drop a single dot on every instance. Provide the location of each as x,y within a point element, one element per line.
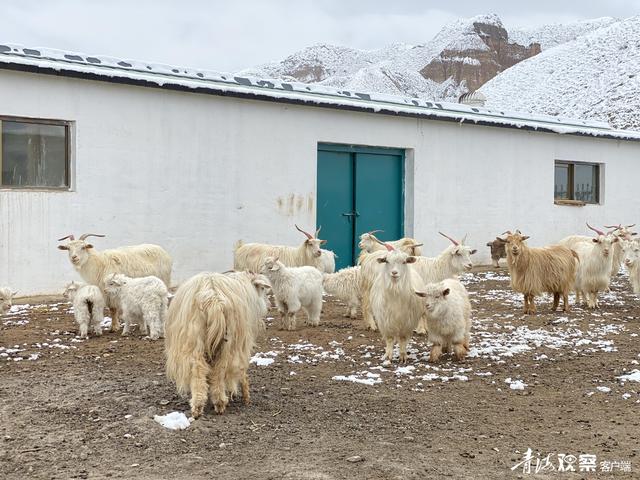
<point>210,331</point>
<point>250,256</point>
<point>6,299</point>
<point>88,307</point>
<point>344,285</point>
<point>593,273</point>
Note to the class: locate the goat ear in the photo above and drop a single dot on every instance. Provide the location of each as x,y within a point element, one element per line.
<point>445,292</point>
<point>473,251</point>
<point>526,237</point>
<point>490,244</point>
<point>615,239</point>
<point>63,247</point>
<point>13,294</point>
<point>411,259</point>
<point>382,260</point>
<point>323,242</point>
<point>594,240</point>
<point>87,246</point>
<point>420,294</point>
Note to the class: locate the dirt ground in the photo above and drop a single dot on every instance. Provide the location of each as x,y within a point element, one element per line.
<point>324,406</point>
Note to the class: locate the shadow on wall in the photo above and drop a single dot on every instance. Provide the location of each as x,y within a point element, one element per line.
<point>292,204</point>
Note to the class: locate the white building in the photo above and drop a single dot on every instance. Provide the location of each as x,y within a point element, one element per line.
<point>194,161</point>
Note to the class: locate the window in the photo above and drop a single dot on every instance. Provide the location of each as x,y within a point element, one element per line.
<point>577,182</point>
<point>34,153</point>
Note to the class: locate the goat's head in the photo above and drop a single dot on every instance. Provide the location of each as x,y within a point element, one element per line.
<point>603,241</point>
<point>623,232</point>
<point>631,252</point>
<point>6,299</point>
<point>515,242</point>
<point>460,253</point>
<point>395,263</point>
<point>262,286</point>
<point>312,243</point>
<point>70,290</point>
<point>368,241</point>
<point>113,282</point>
<point>78,249</point>
<point>271,264</point>
<point>433,295</point>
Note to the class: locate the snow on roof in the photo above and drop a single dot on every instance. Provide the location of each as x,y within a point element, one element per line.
<point>186,79</point>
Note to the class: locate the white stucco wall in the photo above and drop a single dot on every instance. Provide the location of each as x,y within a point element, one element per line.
<point>194,173</point>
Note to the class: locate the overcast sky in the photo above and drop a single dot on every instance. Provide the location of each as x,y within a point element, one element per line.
<point>231,35</point>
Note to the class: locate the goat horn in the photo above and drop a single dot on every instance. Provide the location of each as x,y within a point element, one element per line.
<point>464,239</point>
<point>85,235</point>
<point>452,240</point>
<point>70,237</point>
<point>508,232</point>
<point>599,232</point>
<point>374,231</point>
<point>309,236</point>
<point>388,247</point>
<point>632,225</point>
<point>615,227</point>
<point>318,231</point>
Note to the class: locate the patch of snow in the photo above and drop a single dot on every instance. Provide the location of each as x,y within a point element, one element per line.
<point>173,420</point>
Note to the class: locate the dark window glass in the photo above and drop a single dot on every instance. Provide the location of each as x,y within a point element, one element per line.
<point>561,189</point>
<point>34,155</point>
<point>577,181</point>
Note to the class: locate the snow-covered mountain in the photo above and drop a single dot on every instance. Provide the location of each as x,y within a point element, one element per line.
<point>595,76</point>
<point>463,55</point>
<point>587,69</point>
<point>548,36</point>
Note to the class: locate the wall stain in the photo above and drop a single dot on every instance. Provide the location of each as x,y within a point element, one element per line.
<point>293,204</point>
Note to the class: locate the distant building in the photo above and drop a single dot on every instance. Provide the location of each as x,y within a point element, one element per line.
<point>194,161</point>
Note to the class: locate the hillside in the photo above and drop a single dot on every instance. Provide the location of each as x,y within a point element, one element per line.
<point>595,76</point>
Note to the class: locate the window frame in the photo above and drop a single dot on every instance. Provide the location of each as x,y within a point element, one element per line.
<point>68,127</point>
<point>570,164</point>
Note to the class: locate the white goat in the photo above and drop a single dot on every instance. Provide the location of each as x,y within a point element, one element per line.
<point>452,261</point>
<point>449,311</point>
<point>88,307</point>
<point>143,299</point>
<point>250,256</point>
<point>134,261</point>
<point>6,299</point>
<point>294,288</point>
<point>593,273</point>
<point>394,304</point>
<point>327,261</point>
<point>623,233</point>
<point>344,285</point>
<point>212,326</point>
<point>631,251</point>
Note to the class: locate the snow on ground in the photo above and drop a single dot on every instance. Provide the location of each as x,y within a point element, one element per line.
<point>173,420</point>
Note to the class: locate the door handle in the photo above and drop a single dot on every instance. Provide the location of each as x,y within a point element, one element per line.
<point>351,214</point>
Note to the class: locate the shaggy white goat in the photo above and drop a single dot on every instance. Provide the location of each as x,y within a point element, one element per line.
<point>294,288</point>
<point>211,329</point>
<point>88,307</point>
<point>394,304</point>
<point>452,261</point>
<point>593,273</point>
<point>449,311</point>
<point>135,261</point>
<point>143,299</point>
<point>327,261</point>
<point>631,250</point>
<point>251,256</point>
<point>344,285</point>
<point>623,232</point>
<point>6,299</point>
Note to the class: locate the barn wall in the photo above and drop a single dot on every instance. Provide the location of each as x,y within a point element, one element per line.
<point>195,173</point>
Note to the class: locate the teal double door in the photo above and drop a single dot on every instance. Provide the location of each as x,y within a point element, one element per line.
<point>359,189</point>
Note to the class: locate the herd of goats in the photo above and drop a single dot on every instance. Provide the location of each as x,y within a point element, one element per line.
<point>211,324</point>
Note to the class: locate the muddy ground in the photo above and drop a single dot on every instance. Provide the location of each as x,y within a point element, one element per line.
<point>326,407</point>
